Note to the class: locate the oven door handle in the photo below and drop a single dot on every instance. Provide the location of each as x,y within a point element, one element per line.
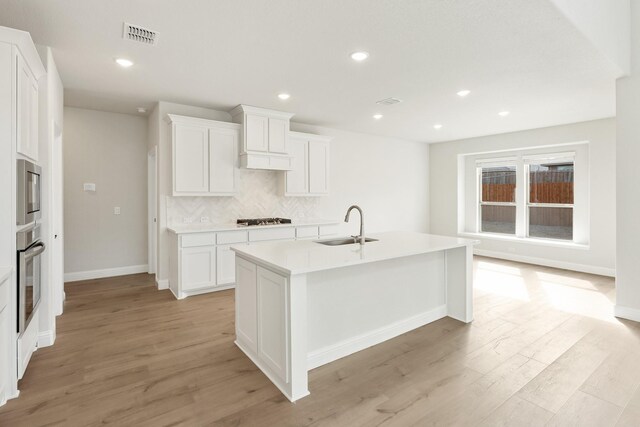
<point>34,251</point>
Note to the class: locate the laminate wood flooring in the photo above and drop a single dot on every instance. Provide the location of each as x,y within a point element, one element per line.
<point>544,349</point>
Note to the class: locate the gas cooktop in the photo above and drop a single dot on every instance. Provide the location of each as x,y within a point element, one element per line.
<point>263,221</point>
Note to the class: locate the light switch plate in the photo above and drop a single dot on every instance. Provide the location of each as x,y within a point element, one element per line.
<point>89,186</point>
<point>116,210</point>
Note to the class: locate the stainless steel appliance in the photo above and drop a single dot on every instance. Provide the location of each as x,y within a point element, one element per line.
<point>263,221</point>
<point>27,192</point>
<point>30,247</point>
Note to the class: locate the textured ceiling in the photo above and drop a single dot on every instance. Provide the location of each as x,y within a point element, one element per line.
<point>518,55</point>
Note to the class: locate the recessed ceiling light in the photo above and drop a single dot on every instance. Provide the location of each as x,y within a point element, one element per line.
<point>284,96</point>
<point>503,113</point>
<point>463,93</point>
<point>377,116</point>
<point>359,56</point>
<point>142,110</point>
<point>125,63</point>
<point>438,126</point>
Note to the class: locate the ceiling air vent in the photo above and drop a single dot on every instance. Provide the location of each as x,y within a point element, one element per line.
<point>139,34</point>
<point>389,101</point>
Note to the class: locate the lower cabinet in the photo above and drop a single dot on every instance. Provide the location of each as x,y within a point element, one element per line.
<point>198,267</point>
<point>204,262</point>
<point>226,260</point>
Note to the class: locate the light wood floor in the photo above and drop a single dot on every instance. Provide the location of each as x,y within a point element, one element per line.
<point>544,349</point>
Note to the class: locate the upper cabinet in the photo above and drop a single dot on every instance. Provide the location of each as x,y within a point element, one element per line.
<point>264,136</point>
<point>205,156</point>
<point>26,109</point>
<point>309,175</point>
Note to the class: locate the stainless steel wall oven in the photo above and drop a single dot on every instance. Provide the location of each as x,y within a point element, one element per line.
<point>29,249</point>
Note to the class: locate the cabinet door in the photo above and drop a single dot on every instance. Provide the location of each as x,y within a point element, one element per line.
<point>190,159</point>
<point>297,179</point>
<point>272,322</point>
<point>256,133</point>
<point>246,305</point>
<point>25,99</point>
<point>318,167</point>
<point>278,135</point>
<point>223,159</point>
<point>33,119</point>
<point>226,265</point>
<point>198,268</point>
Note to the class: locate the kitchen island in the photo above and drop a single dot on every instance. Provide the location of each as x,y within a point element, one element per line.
<point>302,304</point>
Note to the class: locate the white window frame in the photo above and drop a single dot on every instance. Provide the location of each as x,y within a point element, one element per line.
<point>522,192</point>
<point>484,164</point>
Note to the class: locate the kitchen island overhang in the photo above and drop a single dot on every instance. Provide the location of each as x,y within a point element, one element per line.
<point>300,304</point>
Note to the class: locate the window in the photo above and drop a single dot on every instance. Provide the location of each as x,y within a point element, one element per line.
<point>550,198</point>
<point>530,194</point>
<point>498,199</point>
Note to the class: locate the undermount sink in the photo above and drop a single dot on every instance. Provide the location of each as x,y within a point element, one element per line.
<point>344,241</point>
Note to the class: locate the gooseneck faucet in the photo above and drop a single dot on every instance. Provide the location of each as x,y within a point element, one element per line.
<point>360,238</point>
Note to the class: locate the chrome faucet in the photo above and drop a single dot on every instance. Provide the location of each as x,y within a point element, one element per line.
<point>359,238</point>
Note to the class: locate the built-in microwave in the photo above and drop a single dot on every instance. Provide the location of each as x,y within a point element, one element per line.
<point>28,192</point>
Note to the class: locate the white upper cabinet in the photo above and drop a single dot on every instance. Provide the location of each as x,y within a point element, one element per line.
<point>318,167</point>
<point>27,110</point>
<point>205,156</point>
<point>278,135</point>
<point>309,175</point>
<point>223,160</point>
<point>264,140</point>
<point>190,159</point>
<point>257,133</point>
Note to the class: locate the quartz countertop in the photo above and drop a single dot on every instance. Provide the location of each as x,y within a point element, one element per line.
<point>5,272</point>
<point>208,227</point>
<point>306,256</point>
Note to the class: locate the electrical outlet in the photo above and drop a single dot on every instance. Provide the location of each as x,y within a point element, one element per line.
<point>204,219</point>
<point>116,210</point>
<point>186,220</point>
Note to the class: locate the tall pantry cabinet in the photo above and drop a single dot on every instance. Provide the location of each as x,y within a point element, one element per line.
<point>20,71</point>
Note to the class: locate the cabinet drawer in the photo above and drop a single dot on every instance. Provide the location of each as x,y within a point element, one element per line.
<point>307,231</point>
<point>272,234</point>
<point>232,237</point>
<point>326,230</point>
<point>198,239</point>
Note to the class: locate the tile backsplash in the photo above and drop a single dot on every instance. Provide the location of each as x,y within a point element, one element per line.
<point>258,195</point>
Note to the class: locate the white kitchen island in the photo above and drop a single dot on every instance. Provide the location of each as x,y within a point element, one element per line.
<point>301,304</point>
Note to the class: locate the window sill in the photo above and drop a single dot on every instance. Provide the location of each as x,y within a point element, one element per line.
<point>527,240</point>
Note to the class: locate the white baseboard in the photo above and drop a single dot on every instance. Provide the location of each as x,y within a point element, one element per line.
<point>627,313</point>
<point>162,284</point>
<point>107,272</point>
<point>46,338</point>
<point>583,268</point>
<point>344,348</point>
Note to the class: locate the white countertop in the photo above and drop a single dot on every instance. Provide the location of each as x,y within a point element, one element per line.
<point>306,256</point>
<point>5,272</point>
<point>207,227</point>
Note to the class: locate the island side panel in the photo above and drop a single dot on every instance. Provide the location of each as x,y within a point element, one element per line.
<point>459,276</point>
<point>271,324</point>
<point>352,308</point>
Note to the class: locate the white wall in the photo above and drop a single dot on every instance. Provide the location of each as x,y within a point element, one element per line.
<point>110,150</point>
<point>600,256</point>
<point>605,23</point>
<point>387,177</point>
<point>628,181</point>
